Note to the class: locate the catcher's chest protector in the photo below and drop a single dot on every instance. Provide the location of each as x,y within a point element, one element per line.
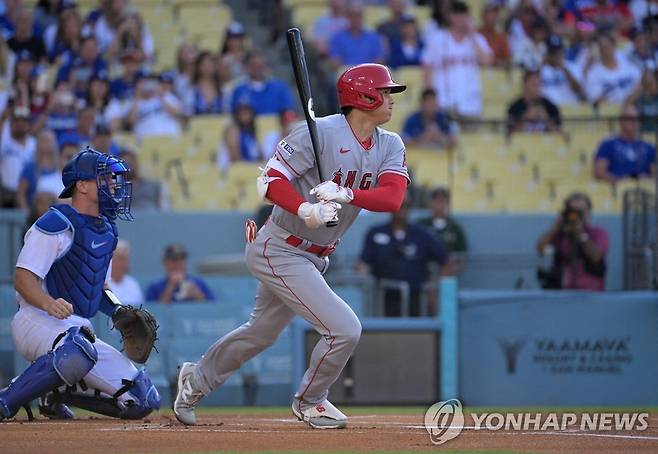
<point>79,275</point>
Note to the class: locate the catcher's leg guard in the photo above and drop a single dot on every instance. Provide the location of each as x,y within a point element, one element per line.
<point>142,399</point>
<point>67,364</point>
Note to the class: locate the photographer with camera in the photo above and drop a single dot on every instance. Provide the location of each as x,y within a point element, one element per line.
<point>579,248</point>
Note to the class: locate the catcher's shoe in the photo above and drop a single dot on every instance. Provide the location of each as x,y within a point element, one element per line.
<point>319,416</point>
<point>186,395</point>
<point>51,409</point>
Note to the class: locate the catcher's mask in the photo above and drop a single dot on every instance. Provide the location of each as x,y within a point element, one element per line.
<point>110,173</point>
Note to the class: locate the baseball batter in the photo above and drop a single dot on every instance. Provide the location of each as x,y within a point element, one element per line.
<point>60,275</point>
<point>365,168</point>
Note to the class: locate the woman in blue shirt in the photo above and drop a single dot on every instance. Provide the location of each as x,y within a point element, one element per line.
<point>240,136</point>
<point>206,95</point>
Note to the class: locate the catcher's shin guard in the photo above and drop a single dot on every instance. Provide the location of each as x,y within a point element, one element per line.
<point>67,364</point>
<point>142,399</point>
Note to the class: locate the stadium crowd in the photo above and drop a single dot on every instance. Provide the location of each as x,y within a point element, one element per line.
<point>68,80</point>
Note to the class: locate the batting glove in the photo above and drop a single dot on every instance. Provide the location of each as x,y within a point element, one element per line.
<point>315,215</point>
<point>332,192</point>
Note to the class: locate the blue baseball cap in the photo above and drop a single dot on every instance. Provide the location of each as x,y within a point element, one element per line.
<point>86,165</point>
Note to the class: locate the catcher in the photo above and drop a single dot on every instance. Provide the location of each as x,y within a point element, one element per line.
<point>60,279</point>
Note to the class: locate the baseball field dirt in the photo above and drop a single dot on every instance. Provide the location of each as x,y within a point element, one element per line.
<point>274,431</point>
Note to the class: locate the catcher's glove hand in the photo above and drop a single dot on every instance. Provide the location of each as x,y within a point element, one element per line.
<point>139,331</point>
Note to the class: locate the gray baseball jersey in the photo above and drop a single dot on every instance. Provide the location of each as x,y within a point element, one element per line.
<point>344,160</point>
<point>291,281</point>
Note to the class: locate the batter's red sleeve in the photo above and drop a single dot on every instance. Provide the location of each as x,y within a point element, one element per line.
<point>281,192</point>
<point>387,196</point>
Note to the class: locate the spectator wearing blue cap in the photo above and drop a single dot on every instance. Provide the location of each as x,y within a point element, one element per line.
<point>625,155</point>
<point>265,94</point>
<point>178,285</point>
<point>559,80</point>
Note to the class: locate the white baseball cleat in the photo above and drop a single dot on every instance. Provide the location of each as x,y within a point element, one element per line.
<point>323,415</point>
<point>186,396</point>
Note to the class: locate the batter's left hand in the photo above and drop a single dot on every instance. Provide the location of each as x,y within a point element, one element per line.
<point>331,192</point>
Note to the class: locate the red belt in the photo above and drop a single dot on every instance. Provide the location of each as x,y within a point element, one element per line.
<point>320,251</point>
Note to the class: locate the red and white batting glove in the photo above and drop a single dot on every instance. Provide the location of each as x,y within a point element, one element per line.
<point>318,214</point>
<point>330,191</point>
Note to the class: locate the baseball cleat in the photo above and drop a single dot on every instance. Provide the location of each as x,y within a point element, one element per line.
<point>320,416</point>
<point>51,409</point>
<point>186,396</point>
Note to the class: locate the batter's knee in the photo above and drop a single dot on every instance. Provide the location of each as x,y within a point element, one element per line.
<point>352,333</point>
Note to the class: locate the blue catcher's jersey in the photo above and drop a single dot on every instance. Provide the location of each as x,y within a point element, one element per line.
<point>78,276</point>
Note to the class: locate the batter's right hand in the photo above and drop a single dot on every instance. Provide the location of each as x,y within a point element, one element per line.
<point>318,214</point>
<point>60,308</point>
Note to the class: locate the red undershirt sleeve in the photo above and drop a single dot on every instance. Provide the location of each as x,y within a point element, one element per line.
<point>386,197</point>
<point>282,193</point>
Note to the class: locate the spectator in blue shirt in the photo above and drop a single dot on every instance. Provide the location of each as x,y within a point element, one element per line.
<point>398,255</point>
<point>625,155</point>
<point>84,130</point>
<point>61,117</point>
<point>266,95</point>
<point>81,68</point>
<point>178,285</point>
<point>406,47</point>
<point>429,126</point>
<point>356,44</point>
<point>123,87</point>
<point>206,94</point>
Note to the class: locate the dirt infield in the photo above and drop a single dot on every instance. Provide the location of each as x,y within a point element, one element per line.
<point>258,432</point>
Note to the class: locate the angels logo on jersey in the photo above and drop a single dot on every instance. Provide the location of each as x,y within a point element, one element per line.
<point>366,179</point>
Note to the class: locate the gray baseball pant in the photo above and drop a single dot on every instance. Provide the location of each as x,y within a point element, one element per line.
<point>291,283</point>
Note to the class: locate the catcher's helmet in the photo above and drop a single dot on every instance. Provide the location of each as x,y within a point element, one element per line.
<point>365,79</point>
<point>110,173</point>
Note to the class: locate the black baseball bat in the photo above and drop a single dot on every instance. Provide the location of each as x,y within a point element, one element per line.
<point>298,59</point>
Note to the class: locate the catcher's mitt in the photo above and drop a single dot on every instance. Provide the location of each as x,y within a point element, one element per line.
<point>139,331</point>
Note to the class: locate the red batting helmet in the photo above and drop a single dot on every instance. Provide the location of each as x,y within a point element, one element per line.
<point>365,79</point>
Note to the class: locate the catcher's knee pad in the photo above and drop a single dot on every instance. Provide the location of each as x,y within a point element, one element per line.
<point>67,364</point>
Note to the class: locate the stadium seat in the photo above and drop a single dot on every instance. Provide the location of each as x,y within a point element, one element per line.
<point>266,124</point>
<point>304,16</point>
<point>203,24</point>
<point>429,167</point>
